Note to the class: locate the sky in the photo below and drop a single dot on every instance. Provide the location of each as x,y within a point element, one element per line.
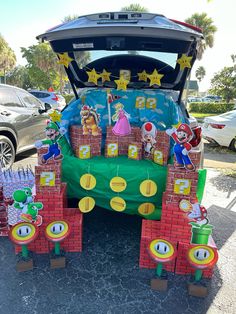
<point>22,20</point>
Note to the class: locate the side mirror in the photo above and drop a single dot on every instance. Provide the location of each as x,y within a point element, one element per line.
<point>47,107</point>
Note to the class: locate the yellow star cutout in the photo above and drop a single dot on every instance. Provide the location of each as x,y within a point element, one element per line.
<point>55,116</point>
<point>122,83</point>
<point>184,61</point>
<point>155,78</point>
<point>105,76</point>
<point>64,59</point>
<point>176,125</point>
<point>93,76</point>
<point>142,76</point>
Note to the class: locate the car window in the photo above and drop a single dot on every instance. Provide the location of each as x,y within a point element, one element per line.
<point>8,98</point>
<point>29,100</point>
<point>40,94</point>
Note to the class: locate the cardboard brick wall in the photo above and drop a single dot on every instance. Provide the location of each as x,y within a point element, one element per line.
<point>77,138</point>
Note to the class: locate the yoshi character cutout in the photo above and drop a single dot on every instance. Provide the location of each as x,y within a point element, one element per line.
<point>23,200</point>
<point>54,134</point>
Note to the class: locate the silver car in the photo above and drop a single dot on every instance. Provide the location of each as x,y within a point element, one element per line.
<point>52,100</point>
<point>22,121</point>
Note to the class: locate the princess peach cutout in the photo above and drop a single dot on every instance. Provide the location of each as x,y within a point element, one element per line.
<point>122,126</point>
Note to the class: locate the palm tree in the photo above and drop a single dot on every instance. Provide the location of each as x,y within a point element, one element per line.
<point>135,7</point>
<point>208,30</point>
<point>200,73</point>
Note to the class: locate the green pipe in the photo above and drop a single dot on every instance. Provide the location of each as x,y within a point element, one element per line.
<point>57,248</point>
<point>198,274</point>
<point>159,269</point>
<point>24,251</point>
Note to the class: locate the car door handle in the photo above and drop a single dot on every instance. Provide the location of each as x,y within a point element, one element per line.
<point>34,114</point>
<point>5,113</point>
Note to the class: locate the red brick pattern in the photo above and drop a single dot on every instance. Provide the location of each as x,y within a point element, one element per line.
<point>174,225</point>
<point>77,138</point>
<point>182,265</point>
<point>123,141</point>
<point>55,208</point>
<point>163,145</point>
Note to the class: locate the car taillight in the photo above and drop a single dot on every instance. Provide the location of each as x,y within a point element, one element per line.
<point>217,126</point>
<point>55,97</point>
<point>197,135</point>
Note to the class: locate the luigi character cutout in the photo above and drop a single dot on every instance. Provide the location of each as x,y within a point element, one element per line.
<point>54,134</point>
<point>23,200</point>
<point>182,136</point>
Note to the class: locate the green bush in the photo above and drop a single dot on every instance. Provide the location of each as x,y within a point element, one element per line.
<point>68,98</point>
<point>208,107</point>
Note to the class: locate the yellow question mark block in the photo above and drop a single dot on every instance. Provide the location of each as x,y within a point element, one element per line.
<point>182,186</point>
<point>158,157</point>
<point>133,152</point>
<point>151,103</point>
<point>140,102</point>
<point>84,151</point>
<point>47,179</point>
<point>112,149</point>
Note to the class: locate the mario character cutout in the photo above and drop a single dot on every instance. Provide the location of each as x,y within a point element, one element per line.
<point>90,120</point>
<point>23,200</point>
<point>54,134</point>
<point>148,132</point>
<point>182,136</point>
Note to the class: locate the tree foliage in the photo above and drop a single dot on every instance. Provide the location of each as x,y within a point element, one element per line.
<point>43,68</point>
<point>208,29</point>
<point>224,83</point>
<point>200,73</point>
<point>7,56</point>
<point>135,7</point>
<point>19,77</point>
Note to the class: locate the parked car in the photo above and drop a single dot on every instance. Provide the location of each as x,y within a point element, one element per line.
<point>221,129</point>
<point>52,100</point>
<point>195,99</point>
<point>22,122</point>
<point>212,98</point>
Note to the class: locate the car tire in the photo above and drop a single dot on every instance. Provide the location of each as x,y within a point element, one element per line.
<point>232,145</point>
<point>7,152</point>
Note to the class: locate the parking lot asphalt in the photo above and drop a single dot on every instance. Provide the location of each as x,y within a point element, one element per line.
<point>106,278</point>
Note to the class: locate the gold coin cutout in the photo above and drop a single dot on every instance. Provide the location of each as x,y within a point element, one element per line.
<point>146,208</point>
<point>118,184</point>
<point>86,204</point>
<point>88,181</point>
<point>118,204</point>
<point>148,188</point>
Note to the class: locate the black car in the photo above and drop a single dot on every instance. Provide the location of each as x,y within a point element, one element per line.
<point>22,122</point>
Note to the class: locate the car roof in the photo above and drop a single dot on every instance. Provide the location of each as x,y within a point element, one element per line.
<point>12,87</point>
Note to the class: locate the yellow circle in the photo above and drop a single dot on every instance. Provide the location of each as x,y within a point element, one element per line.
<point>27,237</point>
<point>154,251</point>
<point>88,181</point>
<point>86,204</point>
<point>118,184</point>
<point>185,205</point>
<point>57,235</point>
<point>146,208</point>
<point>201,262</point>
<point>118,204</point>
<point>148,188</point>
